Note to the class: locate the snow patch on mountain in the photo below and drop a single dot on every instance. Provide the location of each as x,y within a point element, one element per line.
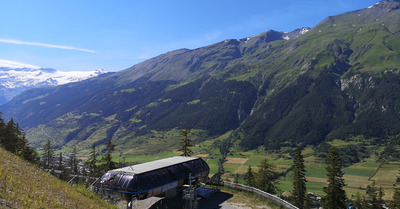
<point>29,77</point>
<point>296,33</point>
<point>304,31</point>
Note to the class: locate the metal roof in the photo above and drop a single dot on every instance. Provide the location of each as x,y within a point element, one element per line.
<point>153,165</point>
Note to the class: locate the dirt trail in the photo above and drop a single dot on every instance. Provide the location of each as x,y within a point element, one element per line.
<point>244,160</point>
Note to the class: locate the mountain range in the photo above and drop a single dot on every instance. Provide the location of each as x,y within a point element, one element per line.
<point>17,77</point>
<point>337,80</point>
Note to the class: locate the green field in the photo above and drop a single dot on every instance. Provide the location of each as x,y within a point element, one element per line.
<point>357,175</point>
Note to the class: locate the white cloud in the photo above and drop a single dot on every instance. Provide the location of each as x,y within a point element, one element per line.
<point>14,64</point>
<point>10,41</point>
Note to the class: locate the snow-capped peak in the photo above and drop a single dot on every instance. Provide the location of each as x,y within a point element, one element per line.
<point>16,77</point>
<point>25,77</point>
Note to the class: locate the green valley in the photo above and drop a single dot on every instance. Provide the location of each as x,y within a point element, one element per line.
<point>245,100</point>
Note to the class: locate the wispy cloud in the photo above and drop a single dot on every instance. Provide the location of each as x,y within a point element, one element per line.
<point>11,41</point>
<point>14,64</point>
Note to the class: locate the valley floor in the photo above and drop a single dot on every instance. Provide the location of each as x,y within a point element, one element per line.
<point>357,175</point>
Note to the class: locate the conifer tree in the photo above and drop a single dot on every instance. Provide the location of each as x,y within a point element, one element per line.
<point>395,203</point>
<point>374,197</point>
<point>186,143</point>
<point>307,202</point>
<point>20,141</point>
<point>48,154</point>
<point>299,180</point>
<point>74,162</point>
<point>219,180</point>
<point>250,180</point>
<point>335,195</point>
<point>12,138</point>
<point>2,132</point>
<point>236,178</point>
<point>380,197</point>
<point>264,177</point>
<point>60,161</point>
<point>359,201</point>
<point>92,161</point>
<point>108,164</point>
<point>30,155</point>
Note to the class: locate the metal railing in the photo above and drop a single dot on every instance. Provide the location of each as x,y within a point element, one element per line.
<point>272,198</point>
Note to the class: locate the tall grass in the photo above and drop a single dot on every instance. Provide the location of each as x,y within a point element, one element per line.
<point>23,185</point>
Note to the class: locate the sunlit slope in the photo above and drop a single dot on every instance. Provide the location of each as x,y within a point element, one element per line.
<point>24,186</point>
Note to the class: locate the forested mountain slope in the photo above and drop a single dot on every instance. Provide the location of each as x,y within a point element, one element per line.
<point>339,79</point>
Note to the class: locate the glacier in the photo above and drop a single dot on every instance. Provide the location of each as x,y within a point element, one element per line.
<point>17,77</point>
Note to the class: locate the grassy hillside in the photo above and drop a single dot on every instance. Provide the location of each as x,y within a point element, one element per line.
<point>24,186</point>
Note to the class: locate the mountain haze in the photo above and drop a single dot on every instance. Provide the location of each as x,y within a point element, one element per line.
<point>337,80</point>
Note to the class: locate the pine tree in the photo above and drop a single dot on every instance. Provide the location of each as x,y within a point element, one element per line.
<point>236,178</point>
<point>335,195</point>
<point>20,140</point>
<point>186,143</point>
<point>359,201</point>
<point>31,155</point>
<point>264,177</point>
<point>13,141</point>
<point>60,162</point>
<point>48,154</point>
<point>219,180</point>
<point>395,203</point>
<point>73,163</point>
<point>250,180</point>
<point>8,141</point>
<point>2,132</point>
<point>307,202</point>
<point>374,197</point>
<point>299,181</point>
<point>108,164</point>
<point>92,161</point>
<point>380,197</point>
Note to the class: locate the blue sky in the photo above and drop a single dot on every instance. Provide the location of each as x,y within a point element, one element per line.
<point>114,35</point>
